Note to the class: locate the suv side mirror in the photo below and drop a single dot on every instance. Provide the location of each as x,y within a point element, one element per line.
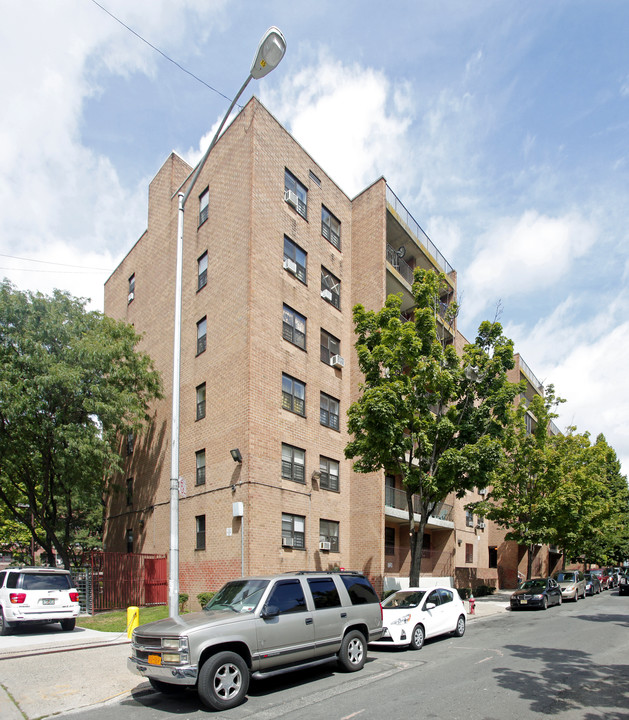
<point>269,611</point>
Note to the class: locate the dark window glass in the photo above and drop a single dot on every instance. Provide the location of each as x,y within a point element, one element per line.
<point>288,596</point>
<point>201,335</point>
<point>130,491</point>
<point>204,206</point>
<point>324,593</point>
<point>200,526</point>
<point>294,327</point>
<point>329,412</point>
<point>200,464</point>
<point>329,470</point>
<point>359,589</point>
<point>202,271</point>
<point>434,597</point>
<point>446,596</point>
<point>330,228</point>
<point>201,401</point>
<point>45,581</point>
<point>295,259</point>
<point>389,541</point>
<point>129,541</point>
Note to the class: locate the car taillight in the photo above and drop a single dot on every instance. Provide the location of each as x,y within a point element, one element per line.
<point>74,597</point>
<point>381,613</point>
<point>17,598</point>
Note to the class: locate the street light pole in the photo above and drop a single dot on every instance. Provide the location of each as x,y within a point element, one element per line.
<point>270,52</point>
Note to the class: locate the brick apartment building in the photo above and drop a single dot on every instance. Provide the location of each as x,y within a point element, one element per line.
<point>275,258</point>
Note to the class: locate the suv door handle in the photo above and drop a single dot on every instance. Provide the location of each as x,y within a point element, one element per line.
<point>343,614</point>
<point>308,621</point>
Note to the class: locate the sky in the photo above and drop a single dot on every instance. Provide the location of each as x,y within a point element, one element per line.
<point>502,125</point>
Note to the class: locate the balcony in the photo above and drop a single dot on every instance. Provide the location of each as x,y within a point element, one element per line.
<point>395,507</point>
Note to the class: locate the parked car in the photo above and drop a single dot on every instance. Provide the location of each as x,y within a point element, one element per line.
<point>592,584</point>
<point>36,595</point>
<point>257,627</point>
<point>536,593</point>
<point>614,575</point>
<point>412,615</point>
<point>603,578</point>
<point>572,584</point>
<point>623,584</point>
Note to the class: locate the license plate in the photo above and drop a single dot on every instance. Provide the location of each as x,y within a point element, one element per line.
<point>523,602</point>
<point>155,659</point>
<point>48,601</point>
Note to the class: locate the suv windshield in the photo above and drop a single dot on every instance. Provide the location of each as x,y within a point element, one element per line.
<point>241,596</point>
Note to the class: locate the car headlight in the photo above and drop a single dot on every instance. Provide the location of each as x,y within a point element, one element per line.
<point>401,620</point>
<point>175,643</point>
<point>570,588</point>
<point>538,597</point>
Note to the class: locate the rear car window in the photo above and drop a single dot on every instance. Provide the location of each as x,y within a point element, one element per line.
<point>324,593</point>
<point>359,590</point>
<point>45,581</point>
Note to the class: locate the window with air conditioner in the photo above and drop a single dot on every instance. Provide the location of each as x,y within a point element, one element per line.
<point>295,259</point>
<point>293,531</point>
<point>329,535</point>
<point>294,327</point>
<point>293,395</point>
<point>330,346</point>
<point>330,228</point>
<point>293,463</point>
<point>295,194</point>
<point>330,288</point>
<point>329,469</point>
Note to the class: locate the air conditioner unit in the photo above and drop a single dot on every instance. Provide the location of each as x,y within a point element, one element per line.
<point>290,265</point>
<point>481,526</point>
<point>326,295</point>
<point>324,546</point>
<point>337,361</point>
<point>482,491</point>
<point>130,297</point>
<point>291,197</point>
<point>287,542</point>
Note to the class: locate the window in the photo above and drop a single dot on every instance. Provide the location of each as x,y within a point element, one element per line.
<point>131,294</point>
<point>130,443</point>
<point>434,598</point>
<point>330,346</point>
<point>293,463</point>
<point>329,470</point>
<point>330,228</point>
<point>130,491</point>
<point>493,556</point>
<point>200,526</point>
<point>359,589</point>
<point>202,271</point>
<point>314,178</point>
<point>201,335</point>
<point>329,412</point>
<point>446,596</point>
<point>295,194</point>
<point>201,401</point>
<point>288,596</point>
<point>469,553</point>
<point>200,464</point>
<point>293,531</point>
<point>204,206</point>
<point>389,541</point>
<point>295,259</point>
<point>469,518</point>
<point>330,288</point>
<point>293,395</point>
<point>329,533</point>
<point>129,540</point>
<point>324,593</point>
<point>294,327</point>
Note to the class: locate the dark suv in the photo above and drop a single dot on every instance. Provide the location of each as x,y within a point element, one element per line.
<point>258,627</point>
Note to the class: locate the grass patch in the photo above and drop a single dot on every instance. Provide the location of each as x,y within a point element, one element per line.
<point>116,620</point>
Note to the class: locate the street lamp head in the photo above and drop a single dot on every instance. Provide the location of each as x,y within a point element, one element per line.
<point>269,53</point>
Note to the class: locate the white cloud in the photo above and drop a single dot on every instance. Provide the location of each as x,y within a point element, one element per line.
<point>524,255</point>
<point>351,119</point>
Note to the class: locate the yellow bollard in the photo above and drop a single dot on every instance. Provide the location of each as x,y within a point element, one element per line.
<point>133,620</point>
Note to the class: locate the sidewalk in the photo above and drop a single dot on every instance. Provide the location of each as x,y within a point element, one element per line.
<point>489,605</point>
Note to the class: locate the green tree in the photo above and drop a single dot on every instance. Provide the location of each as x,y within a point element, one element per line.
<point>424,413</point>
<point>71,383</point>
<point>524,481</point>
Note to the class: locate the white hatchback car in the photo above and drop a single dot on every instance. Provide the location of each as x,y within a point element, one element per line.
<point>34,595</point>
<point>412,615</point>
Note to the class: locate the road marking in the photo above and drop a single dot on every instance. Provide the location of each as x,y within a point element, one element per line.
<point>347,717</point>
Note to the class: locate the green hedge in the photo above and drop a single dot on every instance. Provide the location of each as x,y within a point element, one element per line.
<point>205,597</point>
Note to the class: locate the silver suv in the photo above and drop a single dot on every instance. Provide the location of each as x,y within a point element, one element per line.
<point>258,627</point>
<point>32,595</point>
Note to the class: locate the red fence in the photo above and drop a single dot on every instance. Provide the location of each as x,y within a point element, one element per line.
<point>118,580</point>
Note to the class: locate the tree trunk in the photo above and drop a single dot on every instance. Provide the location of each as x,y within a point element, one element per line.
<point>529,562</point>
<point>416,540</point>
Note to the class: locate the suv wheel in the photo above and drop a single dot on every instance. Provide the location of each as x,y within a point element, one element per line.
<point>353,652</point>
<point>68,624</point>
<point>223,681</point>
<point>5,627</point>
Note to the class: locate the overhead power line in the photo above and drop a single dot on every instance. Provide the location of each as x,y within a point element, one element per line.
<point>163,54</point>
<point>50,262</point>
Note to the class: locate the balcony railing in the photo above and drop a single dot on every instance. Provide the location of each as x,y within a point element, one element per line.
<point>405,270</point>
<point>530,375</point>
<point>395,498</point>
<point>416,230</point>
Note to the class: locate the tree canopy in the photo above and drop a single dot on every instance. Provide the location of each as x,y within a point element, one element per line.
<point>71,383</point>
<point>425,414</point>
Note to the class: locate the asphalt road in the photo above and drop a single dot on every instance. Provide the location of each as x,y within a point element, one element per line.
<point>569,662</point>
